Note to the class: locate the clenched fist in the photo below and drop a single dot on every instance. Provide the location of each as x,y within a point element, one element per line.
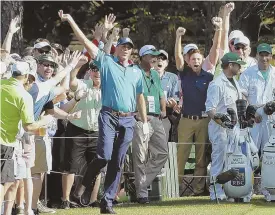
<point>229,7</point>
<point>180,31</point>
<point>217,22</point>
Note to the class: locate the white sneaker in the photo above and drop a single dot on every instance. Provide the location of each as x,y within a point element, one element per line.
<point>43,209</point>
<point>231,200</point>
<point>29,212</point>
<point>267,197</point>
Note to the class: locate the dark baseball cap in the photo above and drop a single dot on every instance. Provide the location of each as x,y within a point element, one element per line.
<point>124,40</point>
<point>57,46</point>
<point>232,58</point>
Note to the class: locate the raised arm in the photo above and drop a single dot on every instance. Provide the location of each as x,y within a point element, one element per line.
<point>12,30</point>
<point>228,8</point>
<point>214,51</point>
<point>112,38</point>
<point>178,50</point>
<point>73,80</point>
<point>90,47</point>
<point>73,62</point>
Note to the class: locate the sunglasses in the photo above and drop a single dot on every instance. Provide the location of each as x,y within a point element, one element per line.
<point>48,65</point>
<point>43,51</point>
<point>162,57</point>
<point>240,47</point>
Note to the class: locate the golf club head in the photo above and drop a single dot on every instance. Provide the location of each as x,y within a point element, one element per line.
<point>226,176</point>
<point>269,108</point>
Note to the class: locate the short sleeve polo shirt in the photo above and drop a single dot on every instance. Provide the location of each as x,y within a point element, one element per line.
<point>16,105</point>
<point>119,85</point>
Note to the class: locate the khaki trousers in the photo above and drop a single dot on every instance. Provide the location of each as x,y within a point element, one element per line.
<point>188,131</point>
<point>148,156</point>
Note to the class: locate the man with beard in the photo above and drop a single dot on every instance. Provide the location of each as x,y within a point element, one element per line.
<point>149,154</point>
<point>222,93</point>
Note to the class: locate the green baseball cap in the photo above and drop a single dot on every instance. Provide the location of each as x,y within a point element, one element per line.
<point>232,57</point>
<point>264,47</point>
<point>46,58</point>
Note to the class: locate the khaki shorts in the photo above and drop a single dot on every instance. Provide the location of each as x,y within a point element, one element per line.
<point>43,155</point>
<point>28,149</point>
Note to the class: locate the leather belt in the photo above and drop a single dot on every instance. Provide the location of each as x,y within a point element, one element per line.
<point>153,114</point>
<point>117,113</point>
<point>193,117</point>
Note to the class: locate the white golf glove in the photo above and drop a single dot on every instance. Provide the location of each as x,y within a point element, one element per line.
<point>145,129</point>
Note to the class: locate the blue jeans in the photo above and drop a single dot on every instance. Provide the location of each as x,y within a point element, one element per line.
<point>115,136</point>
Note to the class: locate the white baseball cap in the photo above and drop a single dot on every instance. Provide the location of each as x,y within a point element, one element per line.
<point>20,68</point>
<point>164,53</point>
<point>33,65</point>
<point>42,45</point>
<point>148,50</point>
<point>188,47</point>
<point>235,34</point>
<point>242,40</point>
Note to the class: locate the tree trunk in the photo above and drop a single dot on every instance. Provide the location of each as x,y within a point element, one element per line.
<point>9,10</point>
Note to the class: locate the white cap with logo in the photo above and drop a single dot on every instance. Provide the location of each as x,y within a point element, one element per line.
<point>242,40</point>
<point>188,47</point>
<point>235,34</point>
<point>148,50</point>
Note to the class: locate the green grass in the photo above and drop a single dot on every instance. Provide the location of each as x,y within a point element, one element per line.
<point>185,206</point>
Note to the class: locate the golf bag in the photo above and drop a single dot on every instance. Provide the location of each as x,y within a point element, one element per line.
<point>268,158</point>
<point>242,154</point>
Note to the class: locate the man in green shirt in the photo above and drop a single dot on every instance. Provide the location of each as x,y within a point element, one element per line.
<point>146,169</point>
<point>16,105</point>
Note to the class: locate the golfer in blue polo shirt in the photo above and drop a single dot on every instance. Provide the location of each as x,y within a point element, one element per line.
<point>122,92</point>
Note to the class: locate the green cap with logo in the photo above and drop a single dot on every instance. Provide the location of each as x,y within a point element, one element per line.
<point>264,47</point>
<point>232,57</point>
<point>46,58</point>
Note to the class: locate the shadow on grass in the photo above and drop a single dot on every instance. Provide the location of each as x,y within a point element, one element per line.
<point>189,201</point>
<point>175,202</point>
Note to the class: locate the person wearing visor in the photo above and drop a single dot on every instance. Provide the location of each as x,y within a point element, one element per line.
<point>41,46</point>
<point>258,86</point>
<point>122,95</point>
<point>147,167</point>
<point>43,91</point>
<point>170,86</point>
<point>222,93</point>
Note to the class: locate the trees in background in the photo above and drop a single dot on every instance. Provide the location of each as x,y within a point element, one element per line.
<point>151,22</point>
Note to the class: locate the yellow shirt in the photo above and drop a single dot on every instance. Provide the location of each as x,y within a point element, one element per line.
<point>16,105</point>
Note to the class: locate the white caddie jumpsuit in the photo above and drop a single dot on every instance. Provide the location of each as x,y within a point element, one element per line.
<point>221,94</point>
<point>258,92</point>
